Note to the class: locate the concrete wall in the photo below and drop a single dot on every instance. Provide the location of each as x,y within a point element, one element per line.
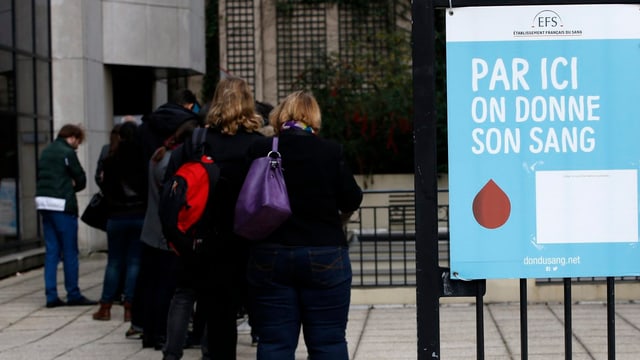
<point>80,94</point>
<point>156,33</point>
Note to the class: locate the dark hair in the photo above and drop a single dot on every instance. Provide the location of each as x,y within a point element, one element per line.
<point>264,109</point>
<point>121,133</point>
<point>128,157</point>
<point>70,130</point>
<point>184,97</point>
<point>183,132</point>
<point>114,138</point>
<point>127,131</point>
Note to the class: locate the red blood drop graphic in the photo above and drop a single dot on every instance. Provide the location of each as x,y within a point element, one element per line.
<point>491,207</point>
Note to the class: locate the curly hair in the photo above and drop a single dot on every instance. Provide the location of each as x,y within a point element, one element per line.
<point>233,107</point>
<point>71,130</point>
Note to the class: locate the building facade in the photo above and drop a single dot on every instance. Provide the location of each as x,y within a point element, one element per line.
<point>25,114</point>
<point>272,43</point>
<point>89,63</point>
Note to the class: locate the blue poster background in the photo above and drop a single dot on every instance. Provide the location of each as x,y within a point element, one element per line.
<point>609,69</point>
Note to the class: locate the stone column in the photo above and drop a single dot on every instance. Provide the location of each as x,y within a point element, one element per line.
<point>81,92</point>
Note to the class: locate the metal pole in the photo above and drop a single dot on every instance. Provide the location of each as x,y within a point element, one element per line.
<point>480,326</point>
<point>611,319</point>
<point>424,126</point>
<point>524,332</point>
<point>568,331</point>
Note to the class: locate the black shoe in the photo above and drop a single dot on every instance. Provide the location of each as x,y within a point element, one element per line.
<point>159,345</point>
<point>155,344</point>
<point>133,333</point>
<point>193,341</point>
<point>55,303</point>
<point>82,301</point>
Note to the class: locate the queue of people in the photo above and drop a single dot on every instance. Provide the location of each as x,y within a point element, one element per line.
<point>297,279</point>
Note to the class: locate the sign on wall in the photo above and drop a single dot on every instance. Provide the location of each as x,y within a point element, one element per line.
<point>544,140</point>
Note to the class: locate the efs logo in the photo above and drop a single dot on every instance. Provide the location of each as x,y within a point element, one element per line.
<point>547,19</point>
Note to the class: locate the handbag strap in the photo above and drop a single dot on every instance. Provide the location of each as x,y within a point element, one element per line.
<point>273,155</point>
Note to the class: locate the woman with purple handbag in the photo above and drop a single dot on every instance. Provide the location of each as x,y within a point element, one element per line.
<point>300,274</point>
<point>216,276</point>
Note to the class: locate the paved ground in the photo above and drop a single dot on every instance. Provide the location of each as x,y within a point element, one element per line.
<point>28,330</point>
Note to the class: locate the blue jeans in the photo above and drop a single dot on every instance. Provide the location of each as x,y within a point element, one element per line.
<point>294,287</point>
<point>124,246</point>
<point>61,243</point>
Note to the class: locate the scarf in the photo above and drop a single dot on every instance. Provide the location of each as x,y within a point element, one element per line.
<point>297,124</point>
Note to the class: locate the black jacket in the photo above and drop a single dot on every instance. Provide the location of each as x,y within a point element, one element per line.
<point>160,125</point>
<point>124,184</point>
<point>320,187</point>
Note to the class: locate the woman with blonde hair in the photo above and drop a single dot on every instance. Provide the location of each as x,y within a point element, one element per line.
<point>300,275</point>
<point>217,272</point>
<point>233,107</point>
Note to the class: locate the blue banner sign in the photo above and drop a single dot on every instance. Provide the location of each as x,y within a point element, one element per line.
<point>544,149</point>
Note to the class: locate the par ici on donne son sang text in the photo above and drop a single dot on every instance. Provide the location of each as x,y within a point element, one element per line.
<point>556,122</point>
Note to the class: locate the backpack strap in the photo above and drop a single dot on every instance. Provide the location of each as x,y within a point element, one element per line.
<point>198,138</point>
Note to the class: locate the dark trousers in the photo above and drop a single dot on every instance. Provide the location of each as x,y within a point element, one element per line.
<point>157,283</point>
<point>124,245</point>
<point>300,287</point>
<point>217,274</point>
<point>220,314</point>
<point>181,312</point>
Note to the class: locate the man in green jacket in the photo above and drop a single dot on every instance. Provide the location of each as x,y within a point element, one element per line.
<point>60,176</point>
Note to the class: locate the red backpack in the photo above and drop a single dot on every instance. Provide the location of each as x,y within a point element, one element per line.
<point>185,199</point>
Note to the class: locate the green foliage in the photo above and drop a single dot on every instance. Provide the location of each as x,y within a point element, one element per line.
<point>367,103</point>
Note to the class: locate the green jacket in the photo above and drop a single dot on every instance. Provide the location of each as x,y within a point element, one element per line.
<point>60,176</point>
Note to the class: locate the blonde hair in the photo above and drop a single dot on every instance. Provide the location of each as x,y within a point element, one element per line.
<point>233,107</point>
<point>298,106</point>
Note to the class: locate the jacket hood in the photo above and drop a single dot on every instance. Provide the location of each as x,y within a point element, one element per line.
<point>167,118</point>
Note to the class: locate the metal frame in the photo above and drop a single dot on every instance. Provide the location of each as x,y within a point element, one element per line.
<point>240,30</point>
<point>430,276</point>
<point>36,57</point>
<point>301,42</point>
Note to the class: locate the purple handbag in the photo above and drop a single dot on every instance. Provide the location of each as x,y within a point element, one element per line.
<point>263,203</point>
